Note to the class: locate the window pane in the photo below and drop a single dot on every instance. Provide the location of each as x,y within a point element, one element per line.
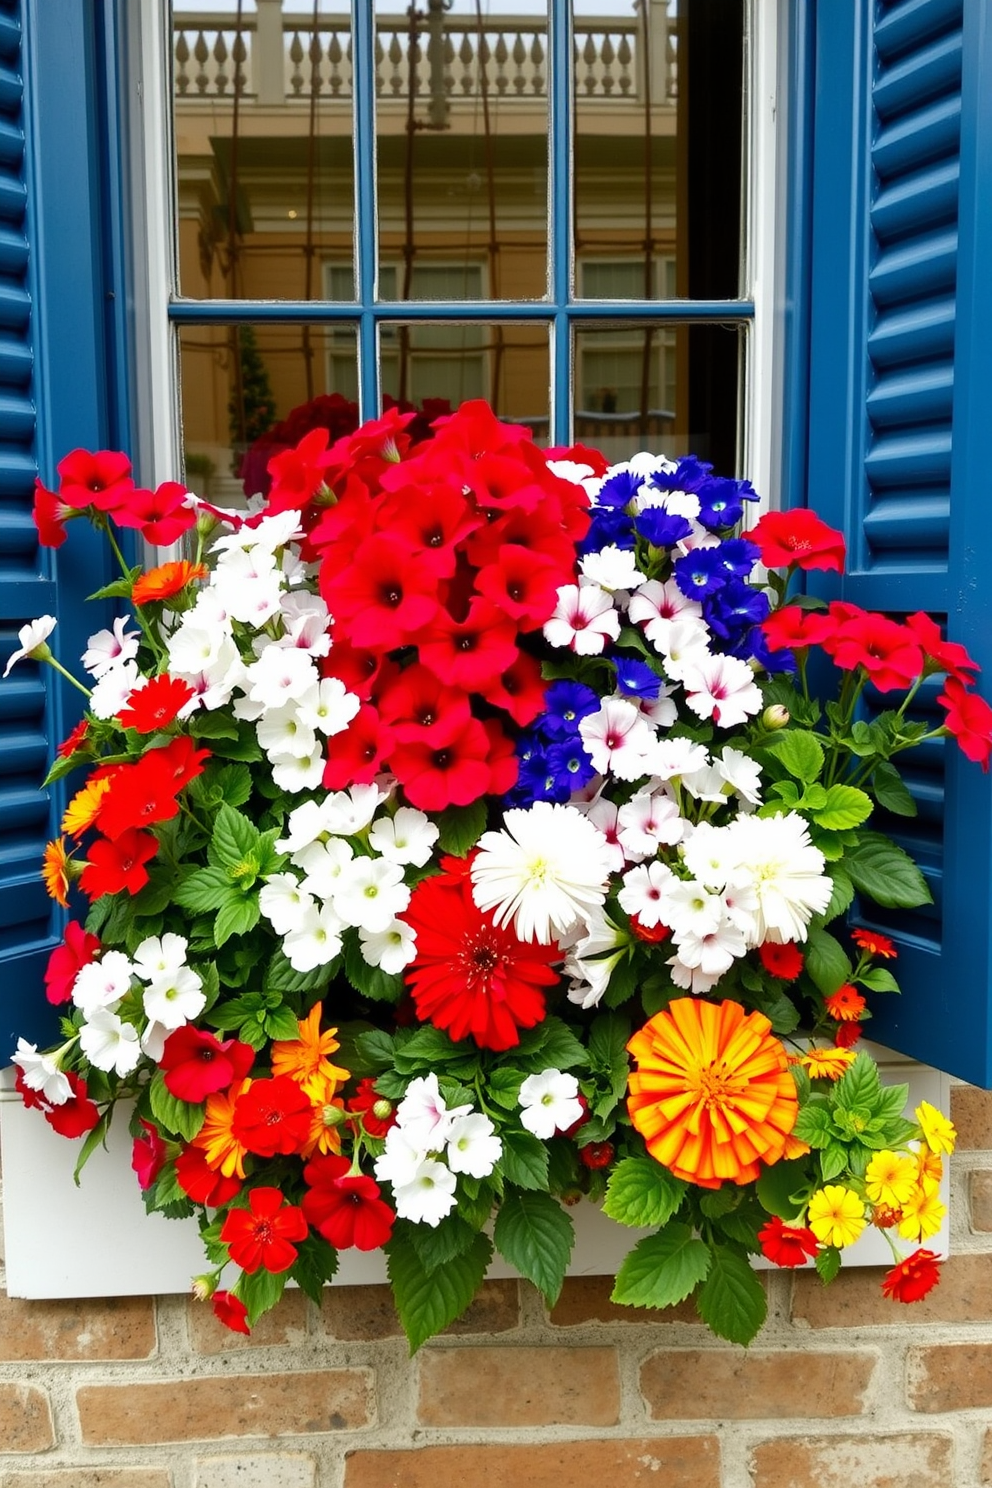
<point>506,364</point>
<point>248,391</point>
<point>658,136</point>
<point>462,122</point>
<point>264,151</point>
<point>674,389</point>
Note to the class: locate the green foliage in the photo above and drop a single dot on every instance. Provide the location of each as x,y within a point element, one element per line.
<point>731,1299</point>
<point>525,1160</point>
<point>886,873</point>
<point>662,1269</point>
<point>428,1300</point>
<point>642,1192</point>
<point>534,1233</point>
<point>460,828</point>
<point>181,1118</point>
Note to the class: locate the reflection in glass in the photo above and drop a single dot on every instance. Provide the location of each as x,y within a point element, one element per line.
<point>462,125</point>
<point>673,389</point>
<point>264,148</point>
<point>506,364</point>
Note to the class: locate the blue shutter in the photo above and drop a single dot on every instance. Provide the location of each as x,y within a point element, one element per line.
<point>900,389</point>
<point>52,379</point>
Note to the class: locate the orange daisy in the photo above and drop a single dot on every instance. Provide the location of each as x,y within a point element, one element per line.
<point>166,580</point>
<point>846,1004</point>
<point>55,871</point>
<point>826,1064</point>
<point>324,1137</point>
<point>216,1137</point>
<point>84,808</point>
<point>712,1095</point>
<point>873,943</point>
<point>305,1059</point>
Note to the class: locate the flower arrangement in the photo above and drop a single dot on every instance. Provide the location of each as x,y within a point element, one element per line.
<point>462,836</point>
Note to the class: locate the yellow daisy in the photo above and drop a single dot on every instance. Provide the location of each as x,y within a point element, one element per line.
<point>827,1064</point>
<point>922,1213</point>
<point>939,1133</point>
<point>890,1178</point>
<point>836,1215</point>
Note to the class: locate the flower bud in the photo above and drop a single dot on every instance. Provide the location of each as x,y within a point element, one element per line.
<point>382,1109</point>
<point>206,522</point>
<point>204,1287</point>
<point>334,1115</point>
<point>775,716</point>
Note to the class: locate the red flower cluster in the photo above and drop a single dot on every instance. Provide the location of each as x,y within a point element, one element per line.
<point>345,1207</point>
<point>787,1245</point>
<point>102,480</point>
<point>262,1234</point>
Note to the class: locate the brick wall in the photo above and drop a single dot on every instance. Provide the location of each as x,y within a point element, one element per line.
<point>840,1389</point>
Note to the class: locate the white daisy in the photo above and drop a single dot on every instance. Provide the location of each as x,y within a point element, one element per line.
<point>547,868</point>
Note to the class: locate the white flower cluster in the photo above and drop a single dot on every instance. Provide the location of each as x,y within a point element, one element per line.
<point>334,887</point>
<point>427,1149</point>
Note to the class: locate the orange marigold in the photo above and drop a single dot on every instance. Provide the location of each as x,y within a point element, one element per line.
<point>305,1059</point>
<point>55,871</point>
<point>712,1095</point>
<point>84,808</point>
<point>223,1152</point>
<point>166,580</point>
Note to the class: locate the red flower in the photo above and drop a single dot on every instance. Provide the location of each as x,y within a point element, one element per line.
<point>785,961</point>
<point>77,950</point>
<point>78,1114</point>
<point>912,1278</point>
<point>969,719</point>
<point>793,629</point>
<point>119,866</point>
<point>181,758</point>
<point>196,1063</point>
<point>504,764</point>
<point>451,769</point>
<point>798,537</point>
<point>846,1004</point>
<point>148,1154</point>
<point>358,670</point>
<point>364,1102</point>
<point>889,653</point>
<point>472,653</point>
<point>345,1207</point>
<point>942,656</point>
<point>357,754</point>
<point>261,1234</point>
<point>101,479</point>
<point>847,1035</point>
<point>469,977</point>
<point>165,581</point>
<point>433,519</point>
<point>384,596</point>
<point>273,1116</point>
<point>161,515</point>
<point>873,943</point>
<point>298,474</point>
<point>787,1245</point>
<point>419,707</point>
<point>155,705</point>
<point>142,794</point>
<point>650,934</point>
<point>202,1183</point>
<point>50,516</point>
<point>597,1154</point>
<point>231,1311</point>
<point>520,690</point>
<point>75,741</point>
<point>523,584</point>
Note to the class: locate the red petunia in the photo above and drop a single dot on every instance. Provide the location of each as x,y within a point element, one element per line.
<point>155,705</point>
<point>356,755</point>
<point>261,1235</point>
<point>520,690</point>
<point>161,516</point>
<point>76,1116</point>
<point>377,1114</point>
<point>793,629</point>
<point>50,516</point>
<point>449,769</point>
<point>785,961</point>
<point>787,1245</point>
<point>196,1063</point>
<point>433,519</point>
<point>469,977</point>
<point>273,1116</point>
<point>358,670</point>
<point>202,1183</point>
<point>912,1278</point>
<point>472,653</point>
<point>77,950</point>
<point>101,479</point>
<point>231,1311</point>
<point>345,1207</point>
<point>148,1154</point>
<point>419,707</point>
<point>298,474</point>
<point>888,652</point>
<point>75,741</point>
<point>521,583</point>
<point>969,719</point>
<point>385,595</point>
<point>874,943</point>
<point>798,537</point>
<point>119,866</point>
<point>942,656</point>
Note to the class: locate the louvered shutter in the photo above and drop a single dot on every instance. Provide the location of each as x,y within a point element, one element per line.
<point>900,406</point>
<point>52,379</point>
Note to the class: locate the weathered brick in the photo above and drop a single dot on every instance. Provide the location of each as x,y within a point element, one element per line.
<point>676,1462</point>
<point>950,1376</point>
<point>586,1299</point>
<point>981,1200</point>
<point>115,1328</point>
<point>25,1419</point>
<point>263,1470</point>
<point>911,1460</point>
<point>693,1384</point>
<point>368,1312</point>
<point>208,1408</point>
<point>971,1112</point>
<point>987,1458</point>
<point>285,1324</point>
<point>519,1387</point>
<point>90,1477</point>
<point>854,1300</point>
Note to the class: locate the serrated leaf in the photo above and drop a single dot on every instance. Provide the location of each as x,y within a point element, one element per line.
<point>551,1045</point>
<point>427,1048</point>
<point>662,1269</point>
<point>376,1048</point>
<point>206,889</point>
<point>859,1085</point>
<point>503,1087</point>
<point>281,1023</point>
<point>245,747</point>
<point>608,1038</point>
<point>315,1265</point>
<point>731,1301</point>
<point>234,838</point>
<point>882,870</point>
<point>834,1160</point>
<point>460,828</point>
<point>845,807</point>
<point>534,1233</point>
<point>117,589</point>
<point>236,917</point>
<point>524,1161</point>
<point>371,981</point>
<point>281,976</point>
<point>827,963</point>
<point>642,1192</point>
<point>436,1246</point>
<point>892,1102</point>
<point>216,725</point>
<point>427,1301</point>
<point>260,1291</point>
<point>890,790</point>
<point>814,1125</point>
<point>180,1117</point>
<point>801,753</point>
<point>785,1187</point>
<point>827,1263</point>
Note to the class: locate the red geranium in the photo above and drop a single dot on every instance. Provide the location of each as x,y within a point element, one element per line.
<point>155,705</point>
<point>273,1116</point>
<point>162,515</point>
<point>202,1183</point>
<point>942,656</point>
<point>119,866</point>
<point>50,516</point>
<point>261,1234</point>
<point>798,537</point>
<point>77,950</point>
<point>183,761</point>
<point>148,1154</point>
<point>196,1063</point>
<point>787,1245</point>
<point>889,653</point>
<point>345,1207</point>
<point>74,741</point>
<point>969,719</point>
<point>101,479</point>
<point>231,1311</point>
<point>912,1278</point>
<point>785,961</point>
<point>793,629</point>
<point>77,1115</point>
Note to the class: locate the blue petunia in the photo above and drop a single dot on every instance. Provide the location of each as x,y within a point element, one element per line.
<point>738,556</point>
<point>564,704</point>
<point>619,490</point>
<point>661,528</point>
<point>608,528</point>
<point>570,767</point>
<point>701,572</point>
<point>637,679</point>
<point>732,610</point>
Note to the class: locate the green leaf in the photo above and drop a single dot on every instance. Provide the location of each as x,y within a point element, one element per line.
<point>534,1233</point>
<point>842,895</point>
<point>204,890</point>
<point>427,1301</point>
<point>890,790</point>
<point>785,1187</point>
<point>778,1008</point>
<point>845,807</point>
<point>887,874</point>
<point>879,979</point>
<point>371,981</point>
<point>834,1160</point>
<point>376,1048</point>
<point>814,1125</point>
<point>94,1139</point>
<point>216,725</point>
<point>525,1160</point>
<point>236,917</point>
<point>461,827</point>
<point>281,976</point>
<point>731,1301</point>
<point>260,1291</point>
<point>234,838</point>
<point>827,962</point>
<point>428,1047</point>
<point>281,1023</point>
<point>892,1102</point>
<point>315,1265</point>
<point>608,1041</point>
<point>118,589</point>
<point>859,1085</point>
<point>244,747</point>
<point>642,1192</point>
<point>436,1247</point>
<point>180,1117</point>
<point>800,752</point>
<point>662,1269</point>
<point>551,1045</point>
<point>827,1263</point>
<point>503,1087</point>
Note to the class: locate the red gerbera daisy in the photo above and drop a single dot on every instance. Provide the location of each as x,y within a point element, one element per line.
<point>785,961</point>
<point>165,581</point>
<point>846,1004</point>
<point>469,977</point>
<point>787,1245</point>
<point>913,1277</point>
<point>873,943</point>
<point>273,1116</point>
<point>345,1207</point>
<point>155,705</point>
<point>261,1234</point>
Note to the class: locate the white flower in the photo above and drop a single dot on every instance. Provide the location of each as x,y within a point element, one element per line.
<point>656,606</point>
<point>583,620</point>
<point>102,983</point>
<point>173,999</point>
<point>108,1043</point>
<point>692,978</point>
<point>604,815</point>
<point>712,953</point>
<point>197,646</point>
<point>315,941</point>
<point>297,772</point>
<point>710,855</point>
<point>108,647</point>
<point>673,759</point>
<point>284,903</point>
<point>407,837</point>
<point>33,638</point>
<point>371,893</point>
<point>786,871</point>
<point>612,568</point>
<point>305,825</point>
<point>157,957</point>
<point>690,909</point>
<point>707,784</point>
<point>114,688</point>
<point>742,774</point>
<point>41,1073</point>
<point>473,1146</point>
<point>646,821</point>
<point>280,676</point>
<point>686,644</point>
<point>323,864</point>
<point>429,1196</point>
<point>281,731</point>
<point>550,1103</point>
<point>328,706</point>
<point>618,740</point>
<point>350,811</point>
<point>423,1114</point>
<point>722,688</point>
<point>547,868</point>
<point>306,620</point>
<point>643,893</point>
<point>590,963</point>
<point>399,1162</point>
<point>390,949</point>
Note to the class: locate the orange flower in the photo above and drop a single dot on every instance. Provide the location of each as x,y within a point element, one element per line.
<point>165,581</point>
<point>846,1004</point>
<point>305,1059</point>
<point>929,1165</point>
<point>323,1138</point>
<point>712,1095</point>
<point>220,1146</point>
<point>826,1064</point>
<point>55,871</point>
<point>874,944</point>
<point>84,808</point>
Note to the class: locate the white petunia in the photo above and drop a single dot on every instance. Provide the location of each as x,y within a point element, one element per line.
<point>742,774</point>
<point>103,983</point>
<point>306,824</point>
<point>174,998</point>
<point>349,812</point>
<point>473,1146</point>
<point>547,868</point>
<point>323,864</point>
<point>690,908</point>
<point>284,903</point>
<point>647,821</point>
<point>152,1041</point>
<point>604,815</point>
<point>423,1114</point>
<point>429,1196</point>
<point>618,740</point>
<point>407,837</point>
<point>371,893</point>
<point>398,1163</point>
<point>584,619</point>
<point>328,706</point>
<point>108,1043</point>
<point>643,893</point>
<point>390,949</point>
<point>160,956</point>
<point>280,676</point>
<point>722,688</point>
<point>686,644</point>
<point>298,772</point>
<point>656,606</point>
<point>592,959</point>
<point>197,646</point>
<point>673,759</point>
<point>712,953</point>
<point>692,978</point>
<point>612,568</point>
<point>315,941</point>
<point>34,641</point>
<point>108,647</point>
<point>550,1103</point>
<point>41,1073</point>
<point>114,688</point>
<point>282,731</point>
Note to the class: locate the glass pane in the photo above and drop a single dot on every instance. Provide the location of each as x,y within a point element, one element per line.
<point>264,150</point>
<point>659,106</point>
<point>248,391</point>
<point>506,364</point>
<point>462,138</point>
<point>674,389</point>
